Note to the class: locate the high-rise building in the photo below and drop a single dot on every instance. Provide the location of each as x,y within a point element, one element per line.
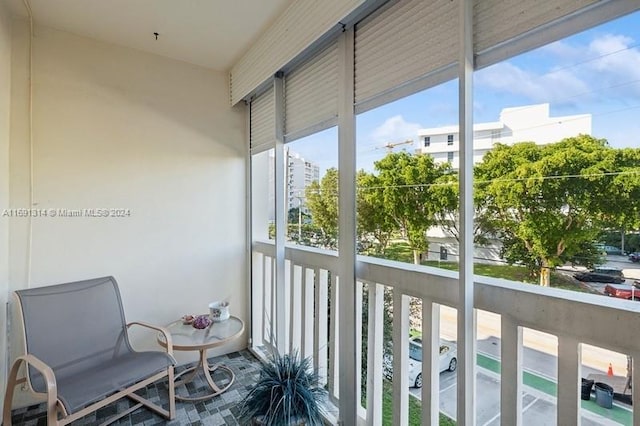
<point>519,124</point>
<point>300,174</point>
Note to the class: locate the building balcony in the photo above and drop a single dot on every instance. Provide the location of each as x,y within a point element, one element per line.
<point>313,328</point>
<point>570,325</point>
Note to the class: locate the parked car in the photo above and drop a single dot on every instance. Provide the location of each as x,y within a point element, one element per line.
<point>634,257</point>
<point>448,361</point>
<point>601,275</point>
<point>623,291</point>
<point>605,249</point>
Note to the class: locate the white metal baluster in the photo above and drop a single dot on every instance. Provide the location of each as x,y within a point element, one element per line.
<point>374,354</point>
<point>257,307</point>
<point>307,313</point>
<point>569,361</point>
<point>400,358</point>
<point>270,302</point>
<point>334,350</point>
<point>266,302</point>
<point>296,309</point>
<point>511,372</point>
<point>358,309</point>
<point>635,384</point>
<point>430,363</point>
<point>321,329</point>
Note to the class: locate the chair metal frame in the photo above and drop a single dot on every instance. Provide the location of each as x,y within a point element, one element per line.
<point>57,414</point>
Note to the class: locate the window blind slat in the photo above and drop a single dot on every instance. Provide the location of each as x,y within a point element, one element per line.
<point>404,42</point>
<point>311,92</point>
<point>497,21</point>
<point>263,127</point>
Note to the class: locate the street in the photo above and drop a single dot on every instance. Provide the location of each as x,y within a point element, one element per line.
<point>540,374</point>
<point>540,369</point>
<point>539,390</point>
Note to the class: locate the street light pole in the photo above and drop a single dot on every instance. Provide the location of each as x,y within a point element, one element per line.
<point>299,222</point>
<point>299,197</point>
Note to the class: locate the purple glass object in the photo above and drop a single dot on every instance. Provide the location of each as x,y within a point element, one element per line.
<point>201,321</point>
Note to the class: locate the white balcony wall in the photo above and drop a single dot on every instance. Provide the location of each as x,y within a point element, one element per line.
<point>5,104</point>
<point>114,127</point>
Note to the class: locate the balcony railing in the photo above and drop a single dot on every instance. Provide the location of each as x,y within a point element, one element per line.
<point>311,295</point>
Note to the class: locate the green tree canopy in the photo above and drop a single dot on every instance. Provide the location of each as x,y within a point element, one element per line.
<point>373,218</point>
<point>322,202</point>
<point>405,184</point>
<point>446,193</point>
<point>549,202</point>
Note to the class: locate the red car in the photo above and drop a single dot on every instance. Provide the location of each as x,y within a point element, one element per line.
<point>624,291</point>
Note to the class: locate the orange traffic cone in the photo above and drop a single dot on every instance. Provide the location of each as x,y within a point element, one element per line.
<point>610,370</point>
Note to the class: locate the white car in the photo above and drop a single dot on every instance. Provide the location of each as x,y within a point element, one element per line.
<point>448,360</point>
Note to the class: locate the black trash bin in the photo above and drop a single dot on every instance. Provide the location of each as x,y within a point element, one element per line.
<point>586,389</point>
<point>604,395</point>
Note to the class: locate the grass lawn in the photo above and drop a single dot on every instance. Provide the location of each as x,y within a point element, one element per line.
<point>415,408</point>
<point>400,251</point>
<point>397,250</point>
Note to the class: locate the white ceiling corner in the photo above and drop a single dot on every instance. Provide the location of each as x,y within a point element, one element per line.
<point>210,33</point>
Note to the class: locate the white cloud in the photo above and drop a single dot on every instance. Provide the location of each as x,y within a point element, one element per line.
<point>618,62</point>
<point>559,86</point>
<point>394,129</point>
<point>563,51</point>
<point>607,66</point>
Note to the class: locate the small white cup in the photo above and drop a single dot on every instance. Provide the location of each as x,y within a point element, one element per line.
<point>219,311</point>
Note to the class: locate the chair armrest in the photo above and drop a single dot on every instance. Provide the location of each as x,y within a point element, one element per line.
<point>163,330</point>
<point>50,383</point>
<point>44,369</point>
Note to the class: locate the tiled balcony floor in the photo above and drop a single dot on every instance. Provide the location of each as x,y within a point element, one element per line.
<point>220,410</point>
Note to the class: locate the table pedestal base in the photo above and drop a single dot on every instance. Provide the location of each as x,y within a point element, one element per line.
<point>207,370</point>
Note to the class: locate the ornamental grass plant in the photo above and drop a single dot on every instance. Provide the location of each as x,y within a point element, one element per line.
<point>287,393</point>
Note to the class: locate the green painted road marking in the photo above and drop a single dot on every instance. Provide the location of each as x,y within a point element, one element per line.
<point>617,414</point>
<point>545,385</point>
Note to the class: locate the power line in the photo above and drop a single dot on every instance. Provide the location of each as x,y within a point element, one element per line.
<point>500,180</point>
<point>372,151</point>
<point>558,100</point>
<point>590,60</point>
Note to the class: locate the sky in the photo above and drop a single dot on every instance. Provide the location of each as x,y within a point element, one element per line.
<point>595,72</point>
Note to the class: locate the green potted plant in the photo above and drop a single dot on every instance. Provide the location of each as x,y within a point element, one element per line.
<point>287,393</point>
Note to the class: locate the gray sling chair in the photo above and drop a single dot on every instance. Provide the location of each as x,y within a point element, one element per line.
<point>78,352</point>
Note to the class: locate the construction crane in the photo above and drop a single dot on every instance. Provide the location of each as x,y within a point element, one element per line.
<point>391,145</point>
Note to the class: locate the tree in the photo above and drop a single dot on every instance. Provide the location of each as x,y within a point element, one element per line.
<point>623,207</point>
<point>446,192</point>
<point>549,202</point>
<point>373,217</point>
<point>404,185</point>
<point>322,202</point>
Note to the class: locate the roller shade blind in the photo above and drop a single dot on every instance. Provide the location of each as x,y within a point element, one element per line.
<point>311,94</point>
<point>301,24</point>
<point>402,43</point>
<point>263,123</point>
<point>497,21</point>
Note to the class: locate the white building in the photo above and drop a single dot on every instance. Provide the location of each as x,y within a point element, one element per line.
<point>300,174</point>
<point>518,124</point>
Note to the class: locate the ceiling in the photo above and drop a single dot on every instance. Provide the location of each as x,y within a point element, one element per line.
<point>211,33</point>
